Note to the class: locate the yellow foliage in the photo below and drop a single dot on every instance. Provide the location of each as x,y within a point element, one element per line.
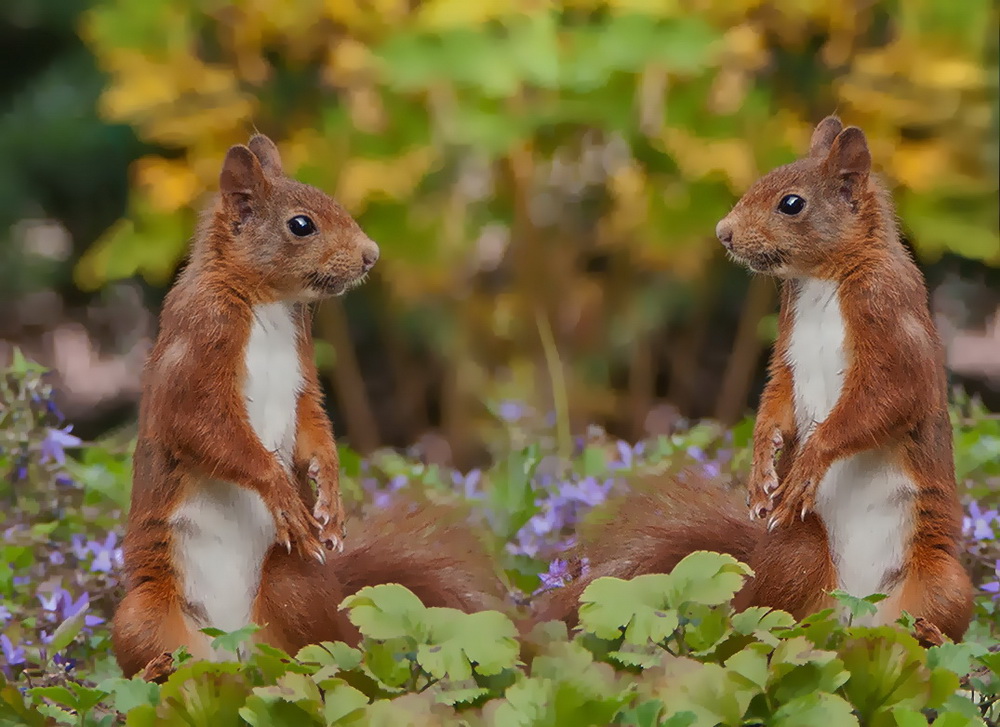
<point>698,158</point>
<point>363,179</point>
<point>169,184</point>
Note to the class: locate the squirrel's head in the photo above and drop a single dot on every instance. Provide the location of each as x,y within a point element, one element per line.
<point>796,220</point>
<point>305,244</point>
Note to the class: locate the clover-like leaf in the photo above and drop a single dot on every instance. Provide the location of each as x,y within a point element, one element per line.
<point>818,708</point>
<point>387,611</point>
<point>456,641</point>
<point>858,607</point>
<point>638,606</point>
<point>340,700</point>
<point>707,578</point>
<point>888,669</point>
<point>130,693</point>
<point>714,694</point>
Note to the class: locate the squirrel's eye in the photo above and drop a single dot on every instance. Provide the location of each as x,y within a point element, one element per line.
<point>300,226</point>
<point>791,204</point>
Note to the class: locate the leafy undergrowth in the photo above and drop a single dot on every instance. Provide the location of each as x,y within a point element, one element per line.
<point>658,650</point>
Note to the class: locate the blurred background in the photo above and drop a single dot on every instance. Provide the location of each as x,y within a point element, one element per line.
<point>543,179</point>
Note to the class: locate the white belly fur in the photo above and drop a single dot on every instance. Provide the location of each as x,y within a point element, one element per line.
<point>865,501</point>
<point>223,531</point>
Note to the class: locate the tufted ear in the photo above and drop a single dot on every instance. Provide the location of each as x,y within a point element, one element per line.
<point>823,135</point>
<point>242,181</point>
<point>267,153</point>
<point>850,161</point>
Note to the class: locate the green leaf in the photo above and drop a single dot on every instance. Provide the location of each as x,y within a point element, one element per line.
<point>751,664</point>
<point>456,641</point>
<point>858,607</point>
<point>232,641</point>
<point>638,606</point>
<point>818,708</point>
<point>388,662</point>
<point>20,365</point>
<point>706,578</point>
<point>340,700</point>
<point>711,692</point>
<point>387,611</point>
<point>131,693</point>
<point>66,632</point>
<point>57,694</point>
<point>888,669</point>
<point>909,717</point>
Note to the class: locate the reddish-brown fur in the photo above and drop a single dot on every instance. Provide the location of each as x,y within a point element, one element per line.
<point>194,428</point>
<point>893,402</point>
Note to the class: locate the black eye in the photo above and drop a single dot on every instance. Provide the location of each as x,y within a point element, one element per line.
<point>300,226</point>
<point>791,204</point>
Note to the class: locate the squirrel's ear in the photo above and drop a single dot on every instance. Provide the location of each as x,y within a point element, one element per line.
<point>242,180</point>
<point>267,153</point>
<point>850,161</point>
<point>823,135</point>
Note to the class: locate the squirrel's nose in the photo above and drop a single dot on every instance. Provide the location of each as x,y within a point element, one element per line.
<point>724,231</point>
<point>369,256</point>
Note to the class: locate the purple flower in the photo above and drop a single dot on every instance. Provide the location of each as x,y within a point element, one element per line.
<point>65,662</point>
<point>557,575</point>
<point>56,558</point>
<point>469,483</point>
<point>979,522</point>
<point>79,546</point>
<point>587,491</point>
<point>56,440</point>
<point>73,608</point>
<point>510,411</point>
<point>4,614</point>
<point>697,454</point>
<point>994,586</point>
<point>711,469</point>
<point>11,655</point>
<point>106,555</point>
<point>51,602</point>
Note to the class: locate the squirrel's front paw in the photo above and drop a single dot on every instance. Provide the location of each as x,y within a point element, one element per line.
<point>294,525</point>
<point>329,508</point>
<point>797,498</point>
<point>760,492</point>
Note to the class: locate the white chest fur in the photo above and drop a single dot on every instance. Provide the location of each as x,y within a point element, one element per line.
<point>864,500</point>
<point>223,531</point>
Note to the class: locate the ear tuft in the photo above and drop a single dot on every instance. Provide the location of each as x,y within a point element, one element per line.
<point>267,153</point>
<point>823,135</point>
<point>849,154</point>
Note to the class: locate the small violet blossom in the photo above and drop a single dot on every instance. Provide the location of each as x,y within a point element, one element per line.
<point>11,656</point>
<point>994,586</point>
<point>510,411</point>
<point>57,440</point>
<point>980,523</point>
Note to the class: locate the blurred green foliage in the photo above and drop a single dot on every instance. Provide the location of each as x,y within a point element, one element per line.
<point>536,170</point>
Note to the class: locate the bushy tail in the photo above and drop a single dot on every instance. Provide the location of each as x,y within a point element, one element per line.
<point>662,520</point>
<point>428,548</point>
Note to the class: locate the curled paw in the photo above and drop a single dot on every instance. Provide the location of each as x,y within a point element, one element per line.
<point>296,528</point>
<point>329,508</point>
<point>760,493</point>
<point>797,500</point>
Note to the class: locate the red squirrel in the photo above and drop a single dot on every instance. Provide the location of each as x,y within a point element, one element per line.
<point>863,497</point>
<point>224,527</point>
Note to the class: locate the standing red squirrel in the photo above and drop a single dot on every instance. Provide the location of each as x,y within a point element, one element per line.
<point>224,528</point>
<point>863,498</point>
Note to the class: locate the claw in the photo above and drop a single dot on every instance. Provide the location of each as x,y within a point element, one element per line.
<point>769,487</point>
<point>320,556</point>
<point>776,439</point>
<point>805,511</point>
<point>288,545</point>
<point>772,523</point>
<point>761,512</point>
